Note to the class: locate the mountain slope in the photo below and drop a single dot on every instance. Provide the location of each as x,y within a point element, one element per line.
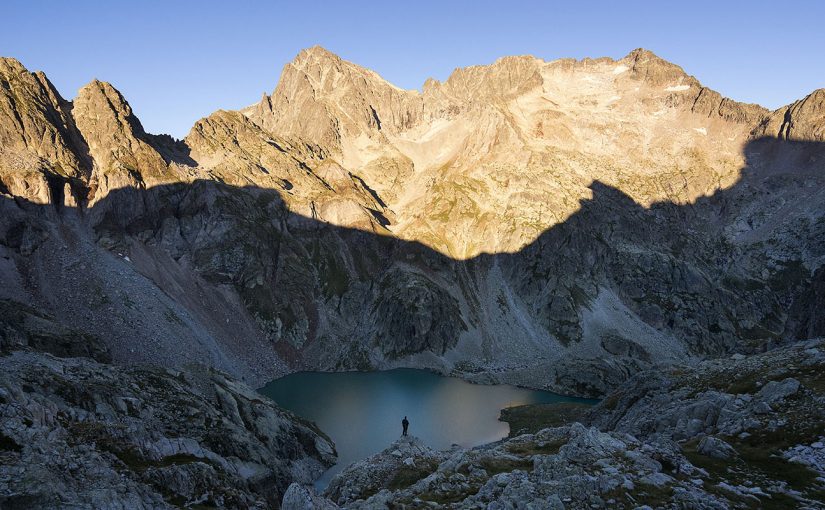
<point>556,224</point>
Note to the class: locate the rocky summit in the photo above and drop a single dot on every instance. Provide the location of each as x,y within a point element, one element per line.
<point>570,225</point>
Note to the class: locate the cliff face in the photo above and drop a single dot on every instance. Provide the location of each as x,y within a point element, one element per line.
<point>38,137</point>
<point>496,155</point>
<point>804,120</point>
<point>557,224</point>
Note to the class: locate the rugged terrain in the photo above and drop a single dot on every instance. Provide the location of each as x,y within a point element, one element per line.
<point>77,432</point>
<point>558,224</point>
<point>746,432</point>
<point>582,226</point>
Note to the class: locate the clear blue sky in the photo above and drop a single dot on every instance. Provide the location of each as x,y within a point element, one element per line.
<point>177,61</point>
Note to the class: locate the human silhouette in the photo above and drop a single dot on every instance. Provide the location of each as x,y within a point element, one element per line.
<point>405,423</point>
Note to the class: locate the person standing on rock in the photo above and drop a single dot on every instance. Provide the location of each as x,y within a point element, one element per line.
<point>405,424</point>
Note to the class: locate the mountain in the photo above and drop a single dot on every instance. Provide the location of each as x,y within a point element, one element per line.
<point>595,227</point>
<point>559,225</point>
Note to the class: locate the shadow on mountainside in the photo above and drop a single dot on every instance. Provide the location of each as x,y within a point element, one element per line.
<point>229,276</point>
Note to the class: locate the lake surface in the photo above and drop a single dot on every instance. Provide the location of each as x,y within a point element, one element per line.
<point>362,411</point>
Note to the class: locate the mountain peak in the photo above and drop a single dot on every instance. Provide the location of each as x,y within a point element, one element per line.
<point>36,128</point>
<point>655,70</point>
<point>802,120</point>
<point>315,54</point>
<point>642,54</point>
<point>117,143</point>
<point>11,64</point>
<point>102,96</point>
<point>318,50</point>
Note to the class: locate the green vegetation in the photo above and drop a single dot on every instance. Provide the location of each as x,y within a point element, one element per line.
<point>650,495</point>
<point>127,301</point>
<point>812,378</point>
<point>537,448</point>
<point>496,465</point>
<point>333,275</point>
<point>106,439</point>
<point>135,460</point>
<point>580,297</point>
<point>492,466</point>
<point>790,276</point>
<point>758,462</point>
<point>611,401</point>
<point>746,284</point>
<point>529,419</point>
<point>97,296</point>
<point>449,497</point>
<point>172,317</point>
<point>408,475</point>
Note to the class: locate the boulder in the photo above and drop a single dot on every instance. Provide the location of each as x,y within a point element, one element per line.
<point>714,447</point>
<point>777,391</point>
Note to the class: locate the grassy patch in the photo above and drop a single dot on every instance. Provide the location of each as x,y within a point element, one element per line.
<point>642,494</point>
<point>536,447</point>
<point>534,417</point>
<point>135,461</point>
<point>611,401</point>
<point>171,317</point>
<point>97,296</point>
<point>408,475</point>
<point>496,465</point>
<point>107,441</point>
<point>758,463</point>
<point>812,378</point>
<point>446,498</point>
<point>580,297</point>
<point>744,384</point>
<point>332,273</point>
<point>792,274</point>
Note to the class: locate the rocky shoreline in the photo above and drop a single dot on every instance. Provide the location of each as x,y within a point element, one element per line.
<point>742,432</point>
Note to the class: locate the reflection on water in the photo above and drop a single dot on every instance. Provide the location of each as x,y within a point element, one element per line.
<point>362,411</point>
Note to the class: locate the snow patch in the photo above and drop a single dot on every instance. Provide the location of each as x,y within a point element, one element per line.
<point>701,131</point>
<point>677,88</point>
<point>660,112</point>
<point>620,69</point>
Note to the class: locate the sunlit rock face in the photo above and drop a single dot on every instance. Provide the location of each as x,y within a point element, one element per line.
<point>558,224</point>
<point>494,156</point>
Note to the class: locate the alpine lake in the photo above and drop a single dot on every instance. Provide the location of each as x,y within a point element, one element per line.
<point>362,411</point>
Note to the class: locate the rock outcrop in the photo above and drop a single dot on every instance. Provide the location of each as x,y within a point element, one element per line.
<point>804,120</point>
<point>116,140</point>
<point>40,146</point>
<point>77,433</point>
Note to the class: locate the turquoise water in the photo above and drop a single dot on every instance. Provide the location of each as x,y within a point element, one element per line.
<point>362,411</point>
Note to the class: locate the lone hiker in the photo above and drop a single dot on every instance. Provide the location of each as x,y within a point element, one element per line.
<point>405,423</point>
